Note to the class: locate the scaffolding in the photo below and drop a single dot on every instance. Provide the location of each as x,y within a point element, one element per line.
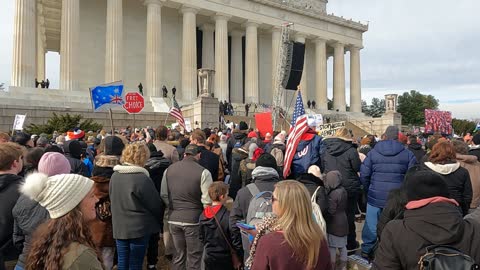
<point>284,65</point>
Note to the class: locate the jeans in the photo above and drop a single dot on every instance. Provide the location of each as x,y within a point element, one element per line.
<point>350,211</point>
<point>17,267</point>
<point>369,233</point>
<point>152,251</point>
<point>131,253</point>
<point>189,249</point>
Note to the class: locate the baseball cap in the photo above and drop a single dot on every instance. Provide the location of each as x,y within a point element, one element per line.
<point>192,149</point>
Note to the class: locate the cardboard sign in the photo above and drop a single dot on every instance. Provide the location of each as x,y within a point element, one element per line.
<point>19,121</point>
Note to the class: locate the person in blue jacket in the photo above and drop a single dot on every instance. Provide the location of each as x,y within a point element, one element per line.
<point>383,170</point>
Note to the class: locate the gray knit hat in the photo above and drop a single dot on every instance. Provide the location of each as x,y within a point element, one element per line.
<point>391,133</point>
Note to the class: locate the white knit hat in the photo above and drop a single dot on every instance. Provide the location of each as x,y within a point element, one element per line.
<point>59,194</point>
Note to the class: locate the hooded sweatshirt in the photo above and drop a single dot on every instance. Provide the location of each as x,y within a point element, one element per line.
<point>73,152</point>
<point>472,165</point>
<point>440,223</point>
<point>9,185</point>
<point>337,223</point>
<point>458,182</point>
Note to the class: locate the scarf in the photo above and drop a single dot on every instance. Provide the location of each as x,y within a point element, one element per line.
<point>268,224</point>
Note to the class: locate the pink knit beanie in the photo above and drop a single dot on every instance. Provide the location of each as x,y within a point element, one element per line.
<point>53,163</point>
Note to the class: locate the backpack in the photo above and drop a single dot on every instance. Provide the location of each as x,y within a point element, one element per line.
<point>317,212</point>
<point>238,144</point>
<point>440,257</point>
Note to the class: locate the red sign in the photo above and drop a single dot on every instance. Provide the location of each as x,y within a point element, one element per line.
<point>264,123</point>
<point>134,103</point>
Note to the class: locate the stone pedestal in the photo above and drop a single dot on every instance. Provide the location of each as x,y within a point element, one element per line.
<point>205,113</point>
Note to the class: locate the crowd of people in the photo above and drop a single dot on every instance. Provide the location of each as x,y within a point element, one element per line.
<point>231,199</point>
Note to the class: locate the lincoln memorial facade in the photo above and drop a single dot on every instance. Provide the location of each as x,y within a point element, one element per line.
<point>165,42</point>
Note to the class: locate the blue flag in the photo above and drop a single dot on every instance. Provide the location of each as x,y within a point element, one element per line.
<point>299,109</point>
<point>477,128</point>
<point>106,96</point>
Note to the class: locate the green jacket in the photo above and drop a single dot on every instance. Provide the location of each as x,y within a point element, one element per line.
<point>80,257</point>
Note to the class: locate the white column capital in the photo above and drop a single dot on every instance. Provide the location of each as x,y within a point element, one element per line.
<point>250,23</point>
<point>188,9</point>
<point>319,40</point>
<point>338,44</point>
<point>207,27</point>
<point>154,2</point>
<point>222,16</point>
<point>352,47</point>
<point>276,29</point>
<point>300,37</point>
<point>237,33</point>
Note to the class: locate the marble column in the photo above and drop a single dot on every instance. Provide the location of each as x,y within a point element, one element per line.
<point>69,42</point>
<point>339,102</point>
<point>276,40</point>
<point>321,97</point>
<point>208,47</point>
<point>355,80</point>
<point>189,54</point>
<point>114,42</point>
<point>40,75</point>
<point>24,60</point>
<point>236,91</point>
<point>221,58</point>
<point>251,63</point>
<point>153,69</point>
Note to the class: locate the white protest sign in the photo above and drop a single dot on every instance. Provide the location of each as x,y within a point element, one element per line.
<point>188,125</point>
<point>19,121</point>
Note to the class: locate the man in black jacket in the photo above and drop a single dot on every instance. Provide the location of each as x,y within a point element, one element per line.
<point>416,148</point>
<point>73,152</point>
<point>475,148</point>
<point>208,159</point>
<point>11,164</point>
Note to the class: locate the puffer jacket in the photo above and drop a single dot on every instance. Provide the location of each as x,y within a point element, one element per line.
<point>472,165</point>
<point>384,170</point>
<point>458,182</point>
<point>337,223</point>
<point>341,155</point>
<point>238,154</point>
<point>404,241</point>
<point>28,215</point>
<point>237,136</point>
<point>307,154</point>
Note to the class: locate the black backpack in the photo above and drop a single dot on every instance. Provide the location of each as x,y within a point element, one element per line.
<point>446,258</point>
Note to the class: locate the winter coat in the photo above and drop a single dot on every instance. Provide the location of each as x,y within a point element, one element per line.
<point>384,170</point>
<point>137,209</point>
<point>458,182</point>
<point>394,209</point>
<point>311,182</point>
<point>475,151</point>
<point>28,215</point>
<point>341,155</point>
<point>101,227</point>
<point>417,150</point>
<point>223,146</point>
<point>246,168</point>
<point>307,154</point>
<point>237,136</point>
<point>278,152</point>
<point>265,179</point>
<point>337,223</point>
<point>104,165</point>
<point>217,250</point>
<point>273,252</point>
<point>156,166</point>
<point>472,165</point>
<point>73,152</point>
<point>80,257</point>
<point>404,241</point>
<point>238,154</point>
<point>209,161</point>
<point>9,193</point>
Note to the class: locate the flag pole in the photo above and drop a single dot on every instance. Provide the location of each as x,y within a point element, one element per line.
<point>111,121</point>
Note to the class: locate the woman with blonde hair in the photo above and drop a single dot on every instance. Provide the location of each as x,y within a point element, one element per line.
<point>137,210</point>
<point>294,241</point>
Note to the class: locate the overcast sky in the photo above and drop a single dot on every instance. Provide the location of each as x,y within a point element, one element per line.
<point>411,44</point>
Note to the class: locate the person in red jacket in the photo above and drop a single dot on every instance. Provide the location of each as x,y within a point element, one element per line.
<point>295,240</point>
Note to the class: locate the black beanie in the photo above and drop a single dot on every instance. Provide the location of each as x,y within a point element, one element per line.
<point>113,146</point>
<point>73,149</point>
<point>242,126</point>
<point>424,183</point>
<point>266,160</point>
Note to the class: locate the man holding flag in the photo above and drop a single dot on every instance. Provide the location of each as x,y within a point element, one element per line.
<point>176,113</point>
<point>303,144</point>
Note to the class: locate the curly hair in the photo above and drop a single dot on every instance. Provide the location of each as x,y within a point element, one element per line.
<point>443,152</point>
<point>52,239</point>
<point>135,154</point>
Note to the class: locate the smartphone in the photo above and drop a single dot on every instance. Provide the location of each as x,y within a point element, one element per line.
<point>245,226</point>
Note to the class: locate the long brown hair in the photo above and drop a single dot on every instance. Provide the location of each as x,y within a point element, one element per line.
<point>51,240</point>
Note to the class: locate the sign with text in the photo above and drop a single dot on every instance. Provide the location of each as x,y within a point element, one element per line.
<point>134,102</point>
<point>329,129</point>
<point>19,121</point>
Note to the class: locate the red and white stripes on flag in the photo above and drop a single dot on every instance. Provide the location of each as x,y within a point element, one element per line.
<point>176,113</point>
<point>301,126</point>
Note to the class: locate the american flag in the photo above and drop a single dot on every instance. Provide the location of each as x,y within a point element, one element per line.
<point>176,113</point>
<point>299,109</point>
<point>299,127</point>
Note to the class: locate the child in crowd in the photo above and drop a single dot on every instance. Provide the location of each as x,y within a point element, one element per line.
<point>216,240</point>
<point>337,223</point>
